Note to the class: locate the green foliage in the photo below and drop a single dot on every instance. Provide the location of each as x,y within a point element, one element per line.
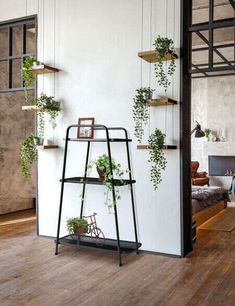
<point>157,158</point>
<point>162,46</point>
<point>26,74</point>
<point>28,154</point>
<point>50,106</point>
<point>76,224</point>
<point>207,132</point>
<point>140,111</point>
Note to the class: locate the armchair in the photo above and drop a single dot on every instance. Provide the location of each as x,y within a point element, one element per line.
<point>198,178</point>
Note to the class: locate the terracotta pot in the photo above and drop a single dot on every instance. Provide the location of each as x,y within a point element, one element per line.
<point>101,173</point>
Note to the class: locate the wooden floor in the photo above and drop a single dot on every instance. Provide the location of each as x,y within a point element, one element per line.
<point>30,273</point>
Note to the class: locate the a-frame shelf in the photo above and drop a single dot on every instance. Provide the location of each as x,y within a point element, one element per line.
<point>161,101</point>
<point>150,56</point>
<point>165,147</point>
<point>43,69</point>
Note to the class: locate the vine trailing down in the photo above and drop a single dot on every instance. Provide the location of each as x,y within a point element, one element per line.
<point>27,75</point>
<point>157,158</point>
<point>162,47</point>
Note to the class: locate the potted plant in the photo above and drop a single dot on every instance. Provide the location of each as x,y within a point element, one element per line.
<point>162,47</point>
<point>50,106</point>
<point>28,154</point>
<point>157,158</point>
<point>77,226</point>
<point>140,110</point>
<point>207,133</point>
<point>26,74</point>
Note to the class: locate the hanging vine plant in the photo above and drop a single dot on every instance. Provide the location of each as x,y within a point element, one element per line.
<point>28,154</point>
<point>27,75</point>
<point>157,158</point>
<point>162,47</point>
<point>140,111</point>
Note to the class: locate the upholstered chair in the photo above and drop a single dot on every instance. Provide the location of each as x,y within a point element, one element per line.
<point>198,178</point>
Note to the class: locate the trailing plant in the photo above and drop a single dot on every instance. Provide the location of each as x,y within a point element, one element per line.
<point>207,132</point>
<point>157,158</point>
<point>140,110</point>
<point>27,75</point>
<point>77,226</point>
<point>28,154</point>
<point>162,46</point>
<point>103,168</point>
<point>50,106</point>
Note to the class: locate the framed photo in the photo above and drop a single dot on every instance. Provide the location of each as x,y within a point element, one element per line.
<point>85,132</point>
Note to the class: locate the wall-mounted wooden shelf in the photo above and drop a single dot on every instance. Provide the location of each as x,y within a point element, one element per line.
<point>47,147</point>
<point>165,147</point>
<point>161,101</point>
<point>30,108</point>
<point>43,69</point>
<point>150,56</point>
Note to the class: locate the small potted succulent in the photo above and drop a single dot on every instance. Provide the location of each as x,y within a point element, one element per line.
<point>77,226</point>
<point>207,133</point>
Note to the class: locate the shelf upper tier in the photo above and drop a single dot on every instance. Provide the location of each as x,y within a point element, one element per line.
<point>43,69</point>
<point>161,101</point>
<point>96,181</point>
<point>99,139</point>
<point>150,56</point>
<point>165,147</point>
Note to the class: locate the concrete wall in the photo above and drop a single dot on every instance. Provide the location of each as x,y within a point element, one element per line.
<point>95,45</point>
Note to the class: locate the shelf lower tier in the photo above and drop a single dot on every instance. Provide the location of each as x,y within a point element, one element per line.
<point>110,244</point>
<point>99,139</point>
<point>96,181</point>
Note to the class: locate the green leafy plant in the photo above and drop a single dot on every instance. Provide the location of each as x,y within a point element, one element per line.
<point>50,106</point>
<point>207,132</point>
<point>157,158</point>
<point>162,46</point>
<point>140,110</point>
<point>103,168</point>
<point>77,226</point>
<point>27,75</point>
<point>28,154</point>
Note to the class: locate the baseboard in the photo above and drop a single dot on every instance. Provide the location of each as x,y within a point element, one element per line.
<point>231,204</point>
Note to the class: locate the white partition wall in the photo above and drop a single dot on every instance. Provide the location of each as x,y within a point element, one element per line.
<point>95,45</point>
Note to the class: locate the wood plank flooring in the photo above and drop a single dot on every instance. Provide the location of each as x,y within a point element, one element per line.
<point>30,273</point>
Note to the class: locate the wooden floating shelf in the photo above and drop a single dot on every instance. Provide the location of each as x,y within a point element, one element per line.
<point>43,69</point>
<point>31,108</point>
<point>150,56</point>
<point>165,147</point>
<point>161,101</point>
<point>47,147</point>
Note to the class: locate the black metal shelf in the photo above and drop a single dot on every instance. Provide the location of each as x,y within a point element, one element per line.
<point>95,181</point>
<point>109,244</point>
<point>100,139</point>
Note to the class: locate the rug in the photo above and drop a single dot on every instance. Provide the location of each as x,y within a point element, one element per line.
<point>223,221</point>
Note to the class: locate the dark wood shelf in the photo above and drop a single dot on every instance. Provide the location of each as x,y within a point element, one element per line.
<point>161,102</point>
<point>150,56</point>
<point>95,181</point>
<point>110,244</point>
<point>165,147</point>
<point>43,69</point>
<point>47,147</point>
<point>99,139</point>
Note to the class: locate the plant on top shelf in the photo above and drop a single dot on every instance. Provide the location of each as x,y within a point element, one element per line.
<point>162,47</point>
<point>77,226</point>
<point>140,110</point>
<point>28,154</point>
<point>27,75</point>
<point>157,158</point>
<point>50,106</point>
<point>103,168</point>
<point>207,133</point>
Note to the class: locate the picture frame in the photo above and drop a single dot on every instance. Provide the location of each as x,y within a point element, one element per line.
<point>85,132</point>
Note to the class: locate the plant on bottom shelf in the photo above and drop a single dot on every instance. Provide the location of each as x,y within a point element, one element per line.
<point>27,75</point>
<point>77,226</point>
<point>28,154</point>
<point>157,158</point>
<point>162,46</point>
<point>140,110</point>
<point>50,106</point>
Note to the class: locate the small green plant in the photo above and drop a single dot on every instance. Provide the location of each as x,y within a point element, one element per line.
<point>140,110</point>
<point>207,132</point>
<point>157,158</point>
<point>103,168</point>
<point>77,226</point>
<point>28,154</point>
<point>27,75</point>
<point>50,106</point>
<point>162,46</point>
